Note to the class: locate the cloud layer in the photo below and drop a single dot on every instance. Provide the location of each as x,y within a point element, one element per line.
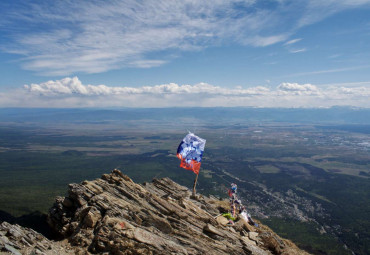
<point>73,86</point>
<point>71,92</point>
<point>65,37</point>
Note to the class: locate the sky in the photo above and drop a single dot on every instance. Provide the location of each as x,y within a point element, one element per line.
<point>155,53</point>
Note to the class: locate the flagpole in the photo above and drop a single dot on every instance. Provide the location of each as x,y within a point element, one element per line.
<point>195,183</point>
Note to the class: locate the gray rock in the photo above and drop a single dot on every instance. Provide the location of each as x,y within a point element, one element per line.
<point>114,215</point>
<point>15,239</point>
<point>253,236</point>
<point>11,249</point>
<point>222,220</point>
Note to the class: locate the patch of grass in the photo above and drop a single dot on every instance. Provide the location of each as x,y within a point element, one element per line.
<point>268,169</point>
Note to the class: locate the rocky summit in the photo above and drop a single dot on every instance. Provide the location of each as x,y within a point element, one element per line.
<point>114,215</point>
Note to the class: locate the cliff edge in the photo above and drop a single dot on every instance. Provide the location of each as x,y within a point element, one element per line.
<point>114,215</point>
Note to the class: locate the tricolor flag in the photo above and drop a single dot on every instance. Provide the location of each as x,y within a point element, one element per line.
<point>190,152</point>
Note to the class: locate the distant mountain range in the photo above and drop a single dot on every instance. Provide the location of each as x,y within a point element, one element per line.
<point>219,115</point>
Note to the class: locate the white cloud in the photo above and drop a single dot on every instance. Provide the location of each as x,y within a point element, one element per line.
<point>261,41</point>
<point>317,10</point>
<point>66,37</point>
<point>289,45</point>
<point>298,50</point>
<point>99,36</point>
<point>71,92</point>
<point>347,84</point>
<point>357,91</point>
<point>293,41</point>
<point>338,70</point>
<point>73,86</point>
<point>299,89</point>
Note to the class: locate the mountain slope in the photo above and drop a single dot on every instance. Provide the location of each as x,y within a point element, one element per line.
<point>114,215</point>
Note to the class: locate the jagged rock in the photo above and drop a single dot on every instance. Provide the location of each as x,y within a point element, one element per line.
<point>248,241</point>
<point>114,215</point>
<point>253,236</point>
<point>17,240</point>
<point>212,230</point>
<point>272,242</point>
<point>222,220</point>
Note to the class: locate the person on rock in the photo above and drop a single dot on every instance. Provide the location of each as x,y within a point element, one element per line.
<point>237,209</point>
<point>235,203</point>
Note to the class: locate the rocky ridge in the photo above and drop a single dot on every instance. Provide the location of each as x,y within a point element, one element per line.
<point>114,215</point>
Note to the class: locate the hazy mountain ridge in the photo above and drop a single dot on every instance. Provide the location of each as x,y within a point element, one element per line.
<point>333,115</point>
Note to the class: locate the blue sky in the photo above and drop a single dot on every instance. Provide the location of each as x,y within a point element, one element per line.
<point>148,53</point>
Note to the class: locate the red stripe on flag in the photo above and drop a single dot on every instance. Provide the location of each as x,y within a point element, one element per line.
<point>192,166</point>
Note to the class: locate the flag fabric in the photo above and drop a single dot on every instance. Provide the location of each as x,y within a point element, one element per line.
<point>190,152</point>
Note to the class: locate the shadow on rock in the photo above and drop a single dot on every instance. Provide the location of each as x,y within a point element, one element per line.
<point>35,220</point>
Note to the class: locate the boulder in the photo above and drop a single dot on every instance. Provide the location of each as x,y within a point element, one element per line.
<point>222,220</point>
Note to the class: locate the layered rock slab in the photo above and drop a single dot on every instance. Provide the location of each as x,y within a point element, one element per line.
<point>18,240</point>
<point>114,215</point>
